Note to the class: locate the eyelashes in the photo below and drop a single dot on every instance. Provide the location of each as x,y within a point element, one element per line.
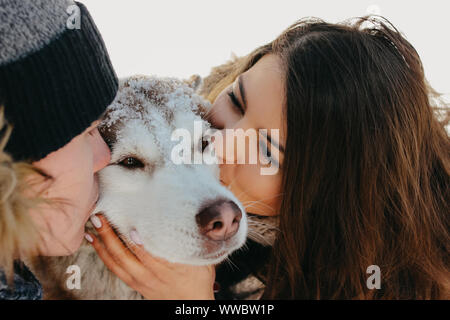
<point>235,102</point>
<point>238,108</point>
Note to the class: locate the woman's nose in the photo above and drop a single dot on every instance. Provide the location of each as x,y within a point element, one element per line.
<point>232,146</point>
<point>102,154</point>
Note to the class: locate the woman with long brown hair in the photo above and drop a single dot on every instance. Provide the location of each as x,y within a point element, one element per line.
<point>364,165</point>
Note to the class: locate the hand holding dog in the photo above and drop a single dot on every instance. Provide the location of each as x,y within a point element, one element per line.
<point>152,277</point>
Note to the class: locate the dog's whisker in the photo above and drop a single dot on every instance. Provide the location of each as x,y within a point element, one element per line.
<point>246,203</point>
<point>256,203</point>
<point>208,115</point>
<point>268,198</point>
<point>233,266</point>
<point>262,211</point>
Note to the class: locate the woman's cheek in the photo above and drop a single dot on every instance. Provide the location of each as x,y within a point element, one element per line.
<point>78,179</point>
<point>90,188</point>
<point>101,155</point>
<point>260,192</point>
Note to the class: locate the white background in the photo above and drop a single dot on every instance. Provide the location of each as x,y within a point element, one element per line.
<point>180,38</point>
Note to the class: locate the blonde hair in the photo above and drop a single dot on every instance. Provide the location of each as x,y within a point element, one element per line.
<point>18,234</point>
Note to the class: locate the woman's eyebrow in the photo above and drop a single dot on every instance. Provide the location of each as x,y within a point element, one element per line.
<point>242,90</point>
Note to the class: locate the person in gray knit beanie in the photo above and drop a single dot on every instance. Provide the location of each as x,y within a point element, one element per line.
<point>56,80</point>
<point>55,77</point>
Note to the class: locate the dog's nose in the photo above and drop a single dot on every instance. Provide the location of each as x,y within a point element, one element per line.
<point>219,221</point>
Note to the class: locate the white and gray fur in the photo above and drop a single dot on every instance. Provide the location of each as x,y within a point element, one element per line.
<point>159,200</point>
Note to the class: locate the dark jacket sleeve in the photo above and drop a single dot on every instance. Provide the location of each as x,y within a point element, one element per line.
<point>25,285</point>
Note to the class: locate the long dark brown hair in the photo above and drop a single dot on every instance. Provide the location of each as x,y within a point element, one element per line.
<point>366,176</point>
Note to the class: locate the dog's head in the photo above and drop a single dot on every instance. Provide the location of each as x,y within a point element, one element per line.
<point>181,211</point>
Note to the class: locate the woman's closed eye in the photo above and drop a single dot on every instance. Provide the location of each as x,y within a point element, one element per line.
<point>237,105</point>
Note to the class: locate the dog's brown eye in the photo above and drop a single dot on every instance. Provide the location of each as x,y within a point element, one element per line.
<point>131,163</point>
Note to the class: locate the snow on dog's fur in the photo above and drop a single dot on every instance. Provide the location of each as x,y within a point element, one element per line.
<point>143,189</point>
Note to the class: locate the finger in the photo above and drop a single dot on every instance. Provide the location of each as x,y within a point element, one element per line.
<point>138,251</point>
<point>147,259</point>
<point>115,247</point>
<point>109,262</point>
<point>161,266</point>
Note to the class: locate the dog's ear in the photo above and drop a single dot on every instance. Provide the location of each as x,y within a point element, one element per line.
<point>194,81</point>
<point>108,129</point>
<point>108,134</point>
<point>203,107</point>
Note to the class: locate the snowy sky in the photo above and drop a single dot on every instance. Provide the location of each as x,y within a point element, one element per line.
<point>180,38</point>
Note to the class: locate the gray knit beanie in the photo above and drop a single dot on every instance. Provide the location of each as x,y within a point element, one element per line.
<point>56,77</point>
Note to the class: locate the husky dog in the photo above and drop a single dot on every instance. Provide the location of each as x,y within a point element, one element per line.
<point>181,211</point>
